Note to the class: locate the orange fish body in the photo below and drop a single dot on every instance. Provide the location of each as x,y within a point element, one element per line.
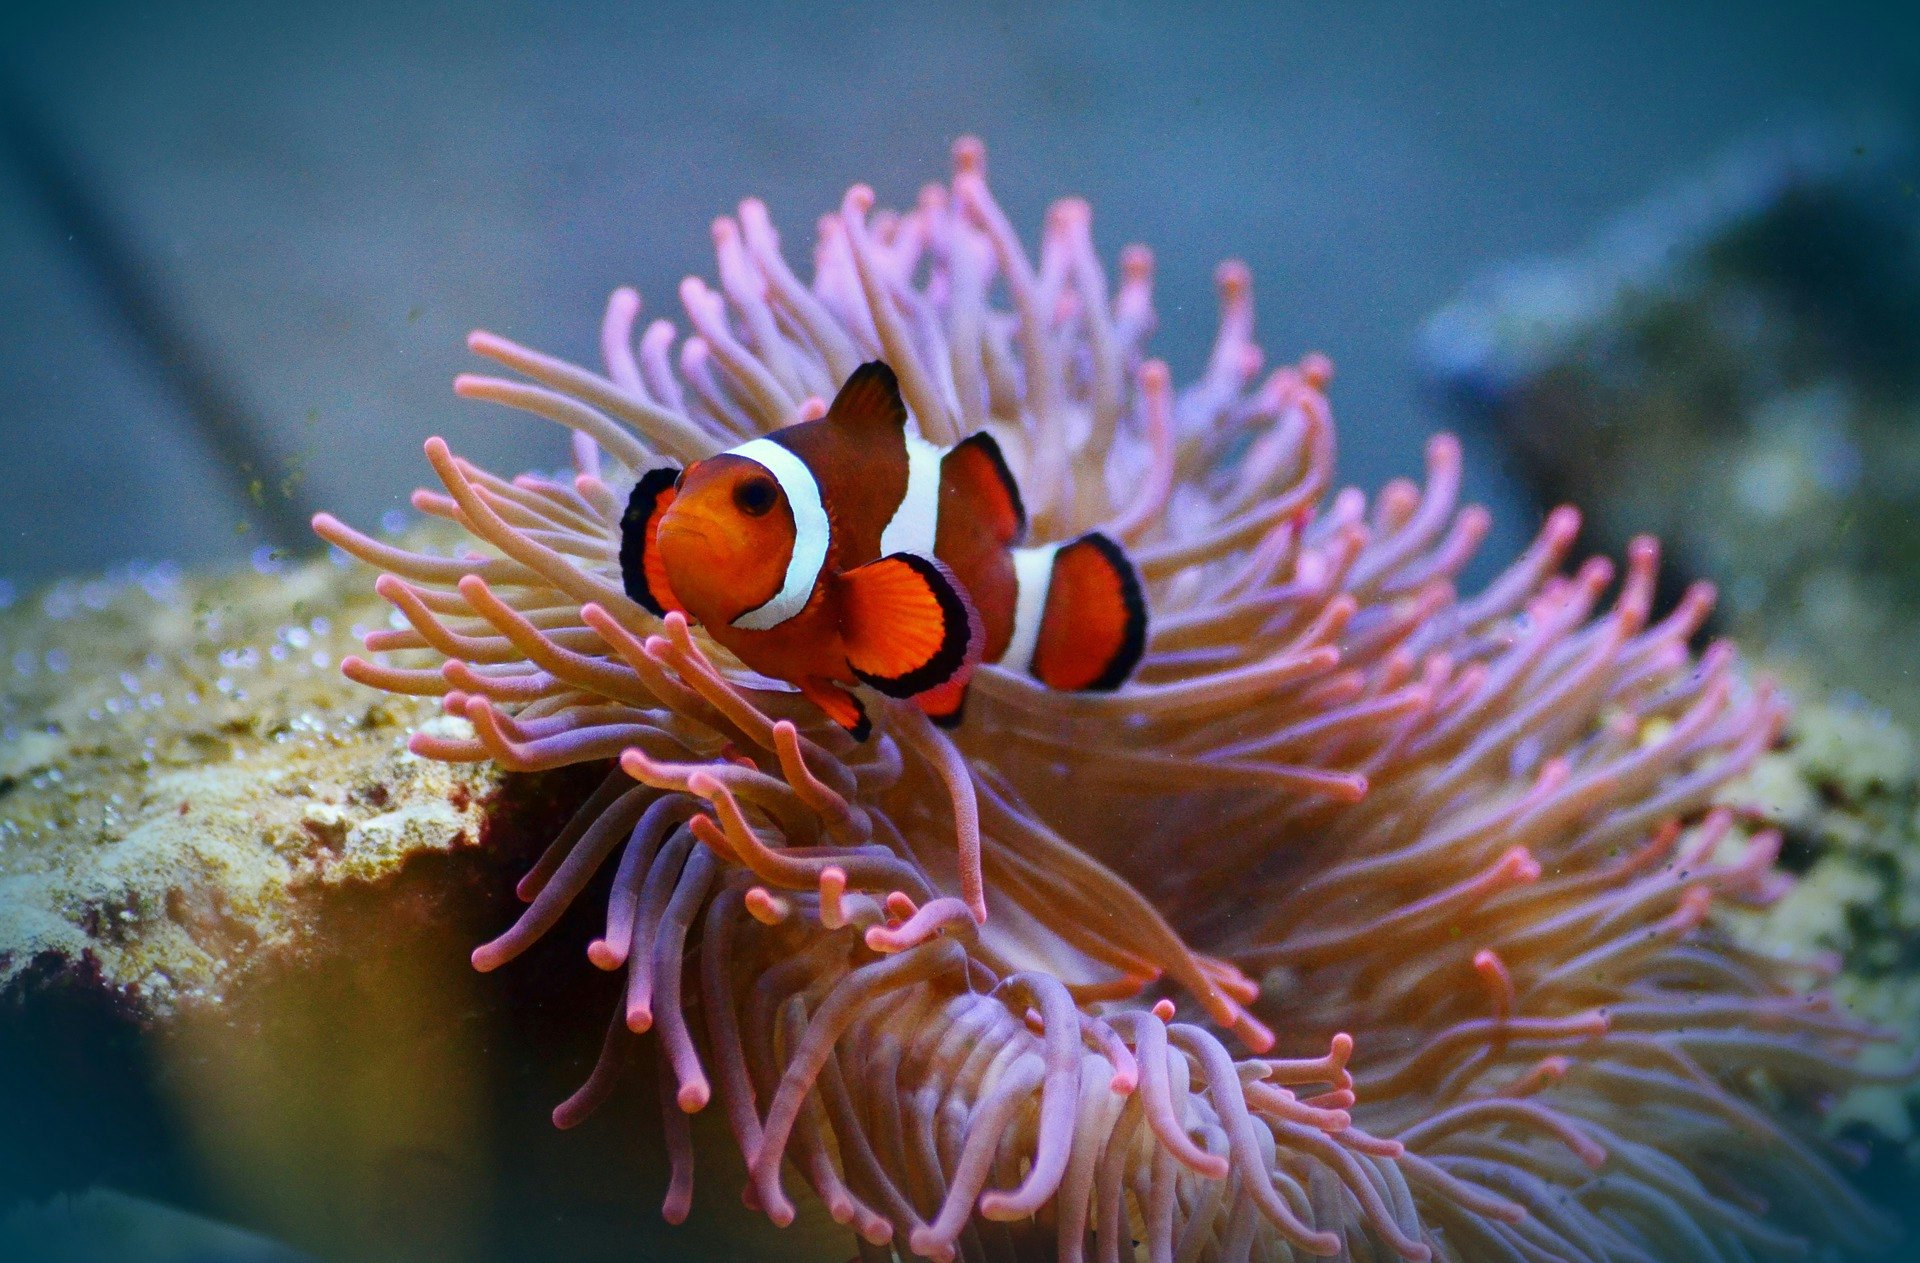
<point>850,551</point>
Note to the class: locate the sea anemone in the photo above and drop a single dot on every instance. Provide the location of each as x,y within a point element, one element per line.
<point>1368,921</point>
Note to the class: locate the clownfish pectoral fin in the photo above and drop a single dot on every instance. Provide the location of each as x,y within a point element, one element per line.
<point>945,704</point>
<point>977,470</point>
<point>1094,625</point>
<point>870,402</point>
<point>907,624</point>
<point>841,707</point>
<point>641,571</point>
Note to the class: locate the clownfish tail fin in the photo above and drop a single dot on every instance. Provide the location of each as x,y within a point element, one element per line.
<point>907,624</point>
<point>1093,623</point>
<point>870,401</point>
<point>641,572</point>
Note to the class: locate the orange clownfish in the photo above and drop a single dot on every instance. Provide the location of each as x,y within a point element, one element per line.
<point>849,550</point>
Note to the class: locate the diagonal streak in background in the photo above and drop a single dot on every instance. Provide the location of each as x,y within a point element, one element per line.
<point>239,440</point>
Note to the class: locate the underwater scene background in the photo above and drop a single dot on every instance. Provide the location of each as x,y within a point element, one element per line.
<point>1658,262</point>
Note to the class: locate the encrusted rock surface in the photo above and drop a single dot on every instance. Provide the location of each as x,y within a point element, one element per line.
<point>1845,793</point>
<point>183,769</point>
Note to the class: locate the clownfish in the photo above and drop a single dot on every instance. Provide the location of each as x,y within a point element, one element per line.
<point>849,550</point>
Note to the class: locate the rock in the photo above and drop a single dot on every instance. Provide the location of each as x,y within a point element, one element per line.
<point>185,771</point>
<point>1735,367</point>
<point>1845,792</point>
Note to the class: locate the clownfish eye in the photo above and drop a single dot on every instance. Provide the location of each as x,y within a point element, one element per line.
<point>755,496</point>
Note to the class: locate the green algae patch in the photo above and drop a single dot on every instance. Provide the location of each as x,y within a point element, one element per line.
<point>184,771</point>
<point>1844,791</point>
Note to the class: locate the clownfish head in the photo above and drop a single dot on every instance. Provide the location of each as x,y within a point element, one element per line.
<point>726,538</point>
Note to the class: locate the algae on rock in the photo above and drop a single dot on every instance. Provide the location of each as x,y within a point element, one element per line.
<point>1844,791</point>
<point>182,764</point>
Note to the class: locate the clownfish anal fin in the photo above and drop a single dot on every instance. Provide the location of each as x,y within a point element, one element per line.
<point>945,704</point>
<point>870,401</point>
<point>641,572</point>
<point>978,472</point>
<point>1094,628</point>
<point>907,624</point>
<point>840,706</point>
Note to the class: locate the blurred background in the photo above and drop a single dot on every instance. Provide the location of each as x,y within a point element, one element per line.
<point>1661,258</point>
<point>244,241</point>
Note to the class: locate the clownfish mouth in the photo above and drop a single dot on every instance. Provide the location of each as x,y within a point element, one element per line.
<point>688,530</point>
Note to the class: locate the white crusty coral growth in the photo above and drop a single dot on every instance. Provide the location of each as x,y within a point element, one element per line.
<point>981,993</point>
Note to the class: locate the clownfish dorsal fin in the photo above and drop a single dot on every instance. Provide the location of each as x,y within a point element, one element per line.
<point>642,573</point>
<point>907,624</point>
<point>978,472</point>
<point>870,403</point>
